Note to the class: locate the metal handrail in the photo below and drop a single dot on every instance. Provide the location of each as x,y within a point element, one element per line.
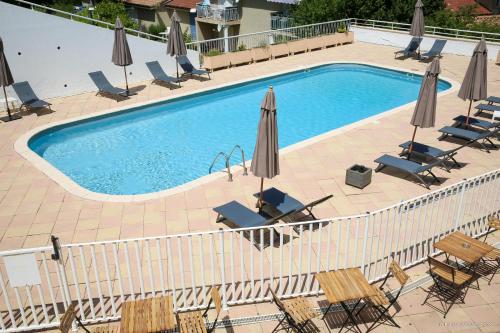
<point>228,166</point>
<point>107,24</point>
<point>245,172</point>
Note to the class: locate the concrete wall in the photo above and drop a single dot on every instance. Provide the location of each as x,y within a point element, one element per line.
<point>55,54</point>
<point>401,40</point>
<point>256,15</point>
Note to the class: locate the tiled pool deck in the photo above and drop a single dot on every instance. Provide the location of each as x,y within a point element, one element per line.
<point>32,206</point>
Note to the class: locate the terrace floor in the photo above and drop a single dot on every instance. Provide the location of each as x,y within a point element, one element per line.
<point>32,206</point>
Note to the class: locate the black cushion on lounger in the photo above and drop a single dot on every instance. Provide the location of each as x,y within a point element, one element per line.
<point>436,49</point>
<point>188,67</point>
<point>158,73</point>
<point>27,96</point>
<point>476,122</point>
<point>411,48</point>
<point>104,86</point>
<point>493,99</point>
<point>470,136</point>
<point>488,107</point>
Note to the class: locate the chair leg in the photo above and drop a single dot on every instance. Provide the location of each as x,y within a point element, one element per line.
<point>383,315</point>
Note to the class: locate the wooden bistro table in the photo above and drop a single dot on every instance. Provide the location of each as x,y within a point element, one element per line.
<point>345,285</point>
<point>463,247</point>
<point>148,315</point>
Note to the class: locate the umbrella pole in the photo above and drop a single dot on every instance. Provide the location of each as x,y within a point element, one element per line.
<point>411,143</point>
<point>261,195</point>
<point>126,81</point>
<point>7,103</point>
<point>468,113</point>
<point>177,66</point>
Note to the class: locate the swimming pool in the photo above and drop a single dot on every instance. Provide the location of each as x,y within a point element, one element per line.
<point>160,146</point>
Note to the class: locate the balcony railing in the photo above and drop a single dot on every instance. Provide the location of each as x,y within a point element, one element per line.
<point>216,13</point>
<point>281,22</point>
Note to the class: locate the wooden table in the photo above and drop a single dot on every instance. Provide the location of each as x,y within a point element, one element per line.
<point>463,247</point>
<point>345,285</point>
<point>148,315</point>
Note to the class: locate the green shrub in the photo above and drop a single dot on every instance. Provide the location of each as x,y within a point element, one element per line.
<point>242,47</point>
<point>156,29</point>
<point>108,11</point>
<point>213,52</point>
<point>187,36</point>
<point>342,28</point>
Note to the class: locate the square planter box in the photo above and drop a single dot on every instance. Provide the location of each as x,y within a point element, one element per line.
<point>358,176</point>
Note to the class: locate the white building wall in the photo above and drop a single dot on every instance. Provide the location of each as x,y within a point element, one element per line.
<point>401,40</point>
<point>55,54</point>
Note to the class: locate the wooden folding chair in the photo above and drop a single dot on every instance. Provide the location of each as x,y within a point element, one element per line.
<point>493,224</point>
<point>297,311</point>
<point>197,321</point>
<point>384,300</point>
<point>70,316</point>
<point>450,284</point>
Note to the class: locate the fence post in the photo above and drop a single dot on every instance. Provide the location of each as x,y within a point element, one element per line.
<point>222,270</point>
<point>458,218</point>
<point>365,241</point>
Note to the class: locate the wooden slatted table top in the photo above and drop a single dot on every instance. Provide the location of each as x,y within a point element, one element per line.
<point>148,315</point>
<point>463,247</point>
<point>345,285</point>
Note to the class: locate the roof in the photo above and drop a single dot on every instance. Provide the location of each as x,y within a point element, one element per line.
<point>455,5</point>
<point>144,3</point>
<point>186,4</point>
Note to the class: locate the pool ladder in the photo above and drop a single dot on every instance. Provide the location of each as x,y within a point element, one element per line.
<point>227,160</point>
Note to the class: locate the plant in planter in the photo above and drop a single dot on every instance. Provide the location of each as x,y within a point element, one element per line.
<point>342,28</point>
<point>213,52</point>
<point>242,47</point>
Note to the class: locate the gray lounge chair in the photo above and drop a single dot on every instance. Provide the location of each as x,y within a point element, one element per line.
<point>282,203</point>
<point>28,97</point>
<point>430,152</point>
<point>493,100</point>
<point>483,124</point>
<point>435,51</point>
<point>411,49</point>
<point>486,107</point>
<point>239,216</point>
<point>412,168</point>
<point>188,67</point>
<point>159,75</point>
<point>470,136</point>
<point>104,87</point>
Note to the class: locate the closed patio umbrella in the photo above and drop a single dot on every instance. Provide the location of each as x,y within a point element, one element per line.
<point>417,24</point>
<point>424,115</point>
<point>121,51</point>
<point>265,161</point>
<point>474,85</point>
<point>6,78</point>
<point>176,46</point>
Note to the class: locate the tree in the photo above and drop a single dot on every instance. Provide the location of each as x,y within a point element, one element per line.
<point>108,11</point>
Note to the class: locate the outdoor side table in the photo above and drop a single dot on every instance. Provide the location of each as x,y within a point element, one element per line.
<point>463,247</point>
<point>148,315</point>
<point>345,285</point>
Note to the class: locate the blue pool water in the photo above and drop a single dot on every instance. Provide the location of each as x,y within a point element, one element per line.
<point>163,145</point>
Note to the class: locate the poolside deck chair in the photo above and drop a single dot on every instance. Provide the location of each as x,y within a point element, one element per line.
<point>431,152</point>
<point>435,51</point>
<point>106,88</point>
<point>412,168</point>
<point>483,124</point>
<point>450,284</point>
<point>411,49</point>
<point>470,136</point>
<point>297,312</point>
<point>385,300</point>
<point>194,321</point>
<point>28,97</point>
<point>70,316</point>
<point>282,202</point>
<point>493,100</point>
<point>188,67</point>
<point>486,107</point>
<point>159,75</point>
<point>240,216</point>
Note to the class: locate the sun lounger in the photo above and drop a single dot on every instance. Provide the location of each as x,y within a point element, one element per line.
<point>484,124</point>
<point>104,87</point>
<point>470,136</point>
<point>239,216</point>
<point>28,97</point>
<point>430,152</point>
<point>413,168</point>
<point>493,100</point>
<point>486,107</point>
<point>188,67</point>
<point>411,49</point>
<point>282,202</point>
<point>159,75</point>
<point>435,51</point>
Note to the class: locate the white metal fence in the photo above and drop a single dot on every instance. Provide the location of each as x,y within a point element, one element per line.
<point>243,263</point>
